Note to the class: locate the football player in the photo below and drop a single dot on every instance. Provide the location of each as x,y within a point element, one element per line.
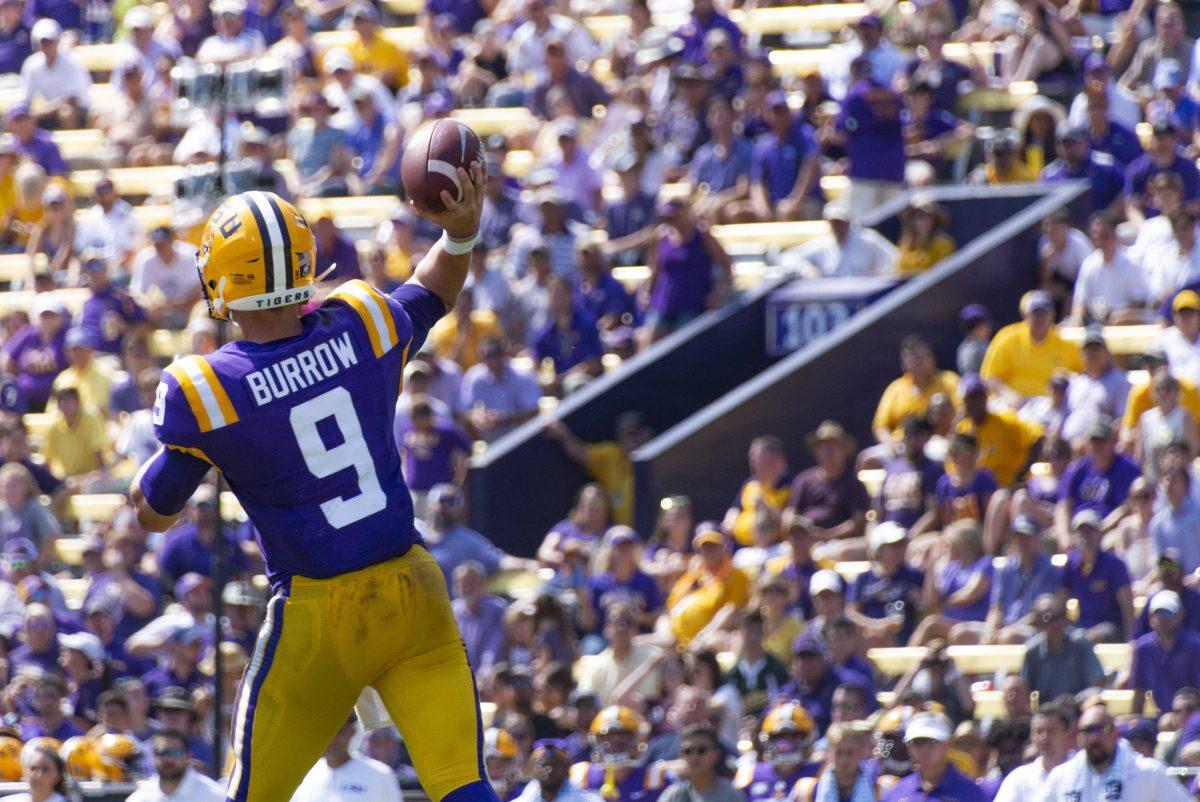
<point>501,757</point>
<point>297,414</point>
<point>785,741</point>
<point>617,770</point>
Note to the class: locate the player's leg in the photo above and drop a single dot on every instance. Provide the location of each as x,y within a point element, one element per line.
<point>292,700</point>
<point>430,694</point>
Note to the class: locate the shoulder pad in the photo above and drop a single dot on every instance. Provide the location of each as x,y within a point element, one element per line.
<point>805,789</point>
<point>579,773</point>
<point>190,398</point>
<point>373,309</point>
<point>744,776</point>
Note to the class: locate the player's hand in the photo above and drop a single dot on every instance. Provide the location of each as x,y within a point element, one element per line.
<point>461,218</point>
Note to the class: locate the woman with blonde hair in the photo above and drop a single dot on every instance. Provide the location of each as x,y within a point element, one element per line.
<point>958,587</point>
<point>1164,423</point>
<point>52,239</point>
<point>22,514</point>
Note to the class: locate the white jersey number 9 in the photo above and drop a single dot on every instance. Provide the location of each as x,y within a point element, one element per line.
<point>352,453</point>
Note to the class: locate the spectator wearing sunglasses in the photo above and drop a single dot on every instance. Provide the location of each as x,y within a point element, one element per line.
<point>173,777</point>
<point>1170,577</point>
<point>701,753</point>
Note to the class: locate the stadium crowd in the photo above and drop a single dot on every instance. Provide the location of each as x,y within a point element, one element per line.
<point>1028,522</point>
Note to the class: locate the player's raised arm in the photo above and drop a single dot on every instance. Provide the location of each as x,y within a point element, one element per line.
<point>443,271</point>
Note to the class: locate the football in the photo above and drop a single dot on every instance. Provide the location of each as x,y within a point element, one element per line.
<point>431,159</point>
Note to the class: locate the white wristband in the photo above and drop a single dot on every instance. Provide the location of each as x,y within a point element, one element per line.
<point>458,247</point>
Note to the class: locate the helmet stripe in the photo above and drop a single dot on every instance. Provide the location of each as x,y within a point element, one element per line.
<point>273,239</point>
<point>287,241</point>
<point>268,251</point>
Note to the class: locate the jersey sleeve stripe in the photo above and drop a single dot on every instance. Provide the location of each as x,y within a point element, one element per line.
<point>218,391</point>
<point>191,394</point>
<point>376,317</point>
<point>208,400</point>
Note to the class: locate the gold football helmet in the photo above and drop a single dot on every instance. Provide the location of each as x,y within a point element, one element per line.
<point>257,252</point>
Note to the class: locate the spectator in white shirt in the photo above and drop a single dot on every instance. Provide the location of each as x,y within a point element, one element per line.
<point>46,774</point>
<point>886,59</point>
<point>847,250</point>
<point>348,82</point>
<point>342,777</point>
<point>1173,263</point>
<point>1166,193</point>
<point>1181,341</point>
<point>109,226</point>
<point>233,41</point>
<point>143,47</point>
<point>164,279</point>
<point>137,440</point>
<point>1061,251</point>
<point>527,48</point>
<point>551,765</point>
<point>1052,735</point>
<point>1110,288</point>
<point>496,397</point>
<point>55,83</point>
<point>174,778</point>
<point>1122,106</point>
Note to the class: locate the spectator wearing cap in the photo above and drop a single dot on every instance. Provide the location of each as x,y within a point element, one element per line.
<point>1097,80</point>
<point>37,352</point>
<point>720,169</point>
<point>319,150</point>
<point>1004,441</point>
<point>254,144</point>
<point>1143,55</point>
<point>373,53</point>
<point>1003,162</point>
<point>174,711</point>
<point>709,592</point>
<point>569,338</point>
<point>1180,342</point>
<point>870,128</point>
<point>923,238</point>
<point>683,127</point>
<point>1098,481</point>
<point>929,131</point>
<point>690,272</point>
<point>1061,251</point>
<point>1022,356</point>
<point>849,249</point>
<point>143,48</point>
<point>883,59</point>
<point>628,221</point>
<point>495,396</point>
<point>109,313</point>
<point>909,395</point>
<point>375,146</point>
<point>704,19</point>
<point>431,90</point>
<point>829,494</point>
<point>88,674</point>
<point>527,46</point>
<point>1076,160</point>
<point>1171,98</point>
<point>92,378</point>
<point>884,600</point>
<point>1037,124</point>
<point>574,176</point>
<point>1170,576</point>
<point>608,462</point>
<point>452,543</point>
<point>180,668</point>
<point>935,777</point>
<point>54,80</point>
<point>1162,156</point>
<point>601,296</point>
<point>814,679</point>
<point>618,578</point>
<point>15,44</point>
<point>233,41</point>
<point>1166,659</point>
<point>784,167</point>
<point>188,548</point>
<point>33,142</point>
<point>1026,574</point>
<point>1097,392</point>
<point>976,322</point>
<point>584,91</point>
<point>1099,581</point>
<point>338,64</point>
<point>1108,136</point>
<point>163,280</point>
<point>109,225</point>
<point>908,495</point>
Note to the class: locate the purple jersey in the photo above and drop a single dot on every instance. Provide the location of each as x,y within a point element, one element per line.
<point>302,430</point>
<point>644,784</point>
<point>764,782</point>
<point>429,456</point>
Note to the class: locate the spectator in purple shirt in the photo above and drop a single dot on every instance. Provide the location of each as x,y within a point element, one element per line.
<point>909,492</point>
<point>1111,137</point>
<point>1163,156</point>
<point>37,353</point>
<point>706,18</point>
<point>39,647</point>
<point>461,14</point>
<point>720,169</point>
<point>682,264</point>
<point>1166,659</point>
<point>1099,481</point>
<point>933,69</point>
<point>784,169</point>
<point>569,338</point>
<point>33,142</point>
<point>628,221</point>
<point>188,548</point>
<point>334,248</point>
<point>48,719</point>
<point>574,174</point>
<point>870,129</point>
<point>180,669</point>
<point>15,46</point>
<point>109,312</point>
<point>1099,581</point>
<point>68,13</point>
<point>480,617</point>
<point>585,92</point>
<point>929,130</point>
<point>131,596</point>
<point>723,62</point>
<point>433,451</point>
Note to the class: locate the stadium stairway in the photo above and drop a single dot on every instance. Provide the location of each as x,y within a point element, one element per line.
<point>843,374</point>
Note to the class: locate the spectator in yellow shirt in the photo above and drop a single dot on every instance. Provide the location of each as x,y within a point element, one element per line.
<point>608,461</point>
<point>769,485</point>
<point>923,238</point>
<point>1140,399</point>
<point>459,335</point>
<point>76,444</point>
<point>908,396</point>
<point>1004,439</point>
<point>373,52</point>
<point>93,380</point>
<point>710,591</point>
<point>1023,356</point>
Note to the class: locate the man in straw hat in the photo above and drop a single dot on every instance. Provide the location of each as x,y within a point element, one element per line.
<point>829,493</point>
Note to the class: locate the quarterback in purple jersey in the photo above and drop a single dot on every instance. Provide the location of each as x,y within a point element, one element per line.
<point>298,417</point>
